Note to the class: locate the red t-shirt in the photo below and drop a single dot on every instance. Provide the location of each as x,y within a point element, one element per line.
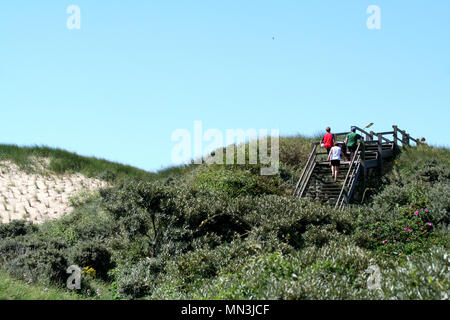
<point>328,140</point>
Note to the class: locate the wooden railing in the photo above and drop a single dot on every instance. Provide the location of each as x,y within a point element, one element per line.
<point>369,136</point>
<point>349,179</point>
<point>306,173</point>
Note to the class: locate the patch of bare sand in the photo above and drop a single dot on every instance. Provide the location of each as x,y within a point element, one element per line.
<point>36,197</point>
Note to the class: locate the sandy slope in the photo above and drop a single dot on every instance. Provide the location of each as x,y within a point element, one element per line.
<point>36,197</point>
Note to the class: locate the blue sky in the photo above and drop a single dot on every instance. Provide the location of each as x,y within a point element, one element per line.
<point>138,70</point>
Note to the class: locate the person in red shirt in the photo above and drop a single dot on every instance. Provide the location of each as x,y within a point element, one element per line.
<point>328,140</point>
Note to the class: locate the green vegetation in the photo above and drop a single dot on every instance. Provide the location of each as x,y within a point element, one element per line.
<point>61,161</point>
<point>225,232</point>
<point>21,289</point>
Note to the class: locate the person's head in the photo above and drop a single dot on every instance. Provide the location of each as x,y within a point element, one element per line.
<point>337,144</point>
<point>423,139</point>
<point>328,129</point>
<point>353,129</point>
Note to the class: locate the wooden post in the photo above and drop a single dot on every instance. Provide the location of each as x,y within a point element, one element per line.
<point>364,178</point>
<point>363,151</point>
<point>395,136</point>
<point>380,154</point>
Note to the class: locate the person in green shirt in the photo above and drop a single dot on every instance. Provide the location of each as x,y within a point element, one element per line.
<point>351,141</point>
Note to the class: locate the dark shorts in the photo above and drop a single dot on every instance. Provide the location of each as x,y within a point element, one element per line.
<point>328,150</point>
<point>352,148</point>
<point>335,163</point>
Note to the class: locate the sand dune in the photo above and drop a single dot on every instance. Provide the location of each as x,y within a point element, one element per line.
<point>38,197</point>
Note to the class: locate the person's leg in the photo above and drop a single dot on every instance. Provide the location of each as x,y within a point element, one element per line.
<point>332,170</point>
<point>344,149</point>
<point>352,153</point>
<point>336,170</point>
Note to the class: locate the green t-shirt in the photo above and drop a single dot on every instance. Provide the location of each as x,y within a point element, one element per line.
<point>353,138</point>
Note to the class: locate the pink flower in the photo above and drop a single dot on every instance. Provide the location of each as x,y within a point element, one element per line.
<point>410,207</point>
<point>430,224</point>
<point>384,241</point>
<point>416,213</point>
<point>426,210</point>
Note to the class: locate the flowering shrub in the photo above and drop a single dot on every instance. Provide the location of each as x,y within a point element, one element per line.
<point>409,227</point>
<point>90,272</point>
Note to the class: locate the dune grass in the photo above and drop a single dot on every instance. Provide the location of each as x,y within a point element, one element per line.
<point>62,161</point>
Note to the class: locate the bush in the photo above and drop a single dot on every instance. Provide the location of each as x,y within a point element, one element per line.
<point>45,265</point>
<point>422,277</point>
<point>234,182</point>
<point>138,280</point>
<point>94,255</point>
<point>83,197</point>
<point>333,272</point>
<point>16,228</point>
<point>87,222</point>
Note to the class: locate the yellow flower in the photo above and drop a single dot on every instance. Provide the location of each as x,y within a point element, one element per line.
<point>89,271</point>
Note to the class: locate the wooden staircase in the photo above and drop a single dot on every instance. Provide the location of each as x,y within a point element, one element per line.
<point>316,182</point>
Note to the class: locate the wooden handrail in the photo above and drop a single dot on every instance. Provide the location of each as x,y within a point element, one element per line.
<point>306,166</point>
<point>404,133</point>
<point>341,133</point>
<point>348,184</point>
<point>348,173</point>
<point>352,184</point>
<point>308,176</point>
<point>362,130</point>
<point>375,134</point>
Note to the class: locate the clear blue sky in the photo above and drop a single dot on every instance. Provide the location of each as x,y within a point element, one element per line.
<point>138,70</point>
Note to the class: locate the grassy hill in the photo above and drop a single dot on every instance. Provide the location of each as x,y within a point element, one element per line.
<point>225,232</point>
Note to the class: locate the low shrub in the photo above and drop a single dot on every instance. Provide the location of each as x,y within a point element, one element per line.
<point>425,276</point>
<point>138,280</point>
<point>235,182</point>
<point>94,255</point>
<point>45,265</point>
<point>16,228</point>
